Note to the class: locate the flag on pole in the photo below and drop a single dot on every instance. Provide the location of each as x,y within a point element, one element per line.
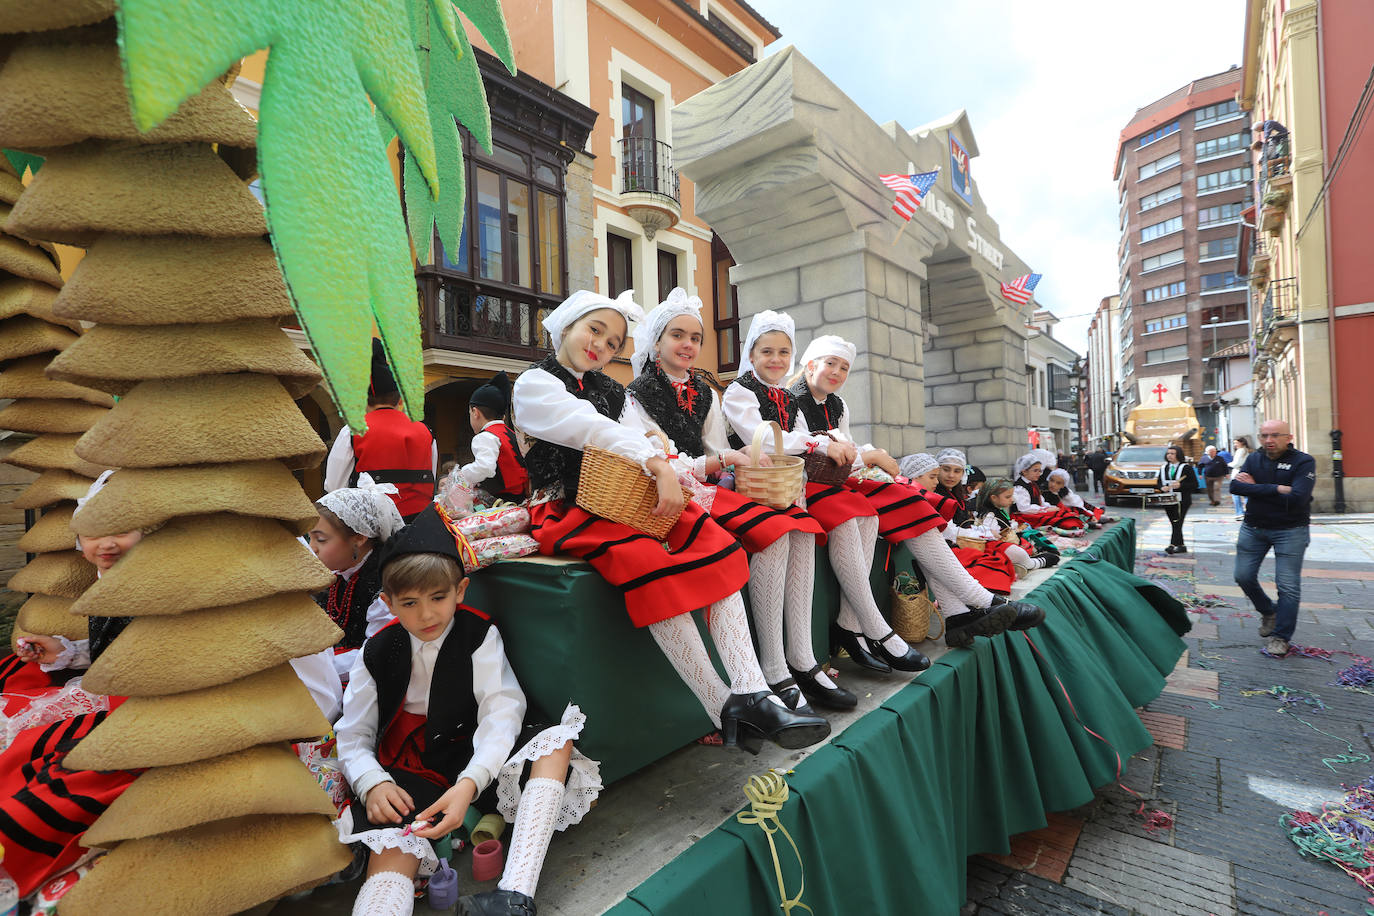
<point>1020,289</point>
<point>911,190</point>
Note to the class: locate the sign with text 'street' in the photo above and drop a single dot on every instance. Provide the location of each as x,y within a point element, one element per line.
<point>960,177</point>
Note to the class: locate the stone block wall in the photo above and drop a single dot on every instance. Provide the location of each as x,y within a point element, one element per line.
<point>581,230</point>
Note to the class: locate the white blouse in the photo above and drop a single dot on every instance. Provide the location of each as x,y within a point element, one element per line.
<point>1024,504</point>
<point>742,411</point>
<point>841,432</point>
<point>713,435</point>
<point>486,448</point>
<point>500,712</point>
<point>338,467</point>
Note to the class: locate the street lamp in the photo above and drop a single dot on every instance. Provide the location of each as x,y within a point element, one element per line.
<point>1214,320</point>
<point>1116,407</point>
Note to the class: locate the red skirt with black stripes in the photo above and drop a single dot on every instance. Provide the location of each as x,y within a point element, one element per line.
<point>990,567</point>
<point>698,564</point>
<point>904,511</point>
<point>755,525</point>
<point>1058,517</point>
<point>21,683</point>
<point>45,808</point>
<point>832,506</point>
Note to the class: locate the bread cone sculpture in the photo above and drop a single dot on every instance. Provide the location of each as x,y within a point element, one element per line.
<point>185,296</point>
<point>55,414</point>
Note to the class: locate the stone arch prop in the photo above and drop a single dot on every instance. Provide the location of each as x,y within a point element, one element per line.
<point>786,171</point>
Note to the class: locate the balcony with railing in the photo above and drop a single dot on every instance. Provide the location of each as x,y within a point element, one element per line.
<point>491,320</point>
<point>1278,316</point>
<point>1276,180</point>
<point>649,185</point>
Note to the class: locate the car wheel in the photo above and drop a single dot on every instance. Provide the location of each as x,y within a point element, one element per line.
<point>1113,501</point>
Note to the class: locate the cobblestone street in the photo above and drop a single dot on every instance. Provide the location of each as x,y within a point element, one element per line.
<point>1227,762</point>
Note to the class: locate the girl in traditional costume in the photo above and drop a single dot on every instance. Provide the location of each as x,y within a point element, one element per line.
<point>990,566</point>
<point>1031,507</point>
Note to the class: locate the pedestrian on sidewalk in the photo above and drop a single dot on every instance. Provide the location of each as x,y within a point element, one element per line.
<point>1097,463</point>
<point>1277,481</point>
<point>1216,467</point>
<point>1240,451</point>
<point>1177,474</point>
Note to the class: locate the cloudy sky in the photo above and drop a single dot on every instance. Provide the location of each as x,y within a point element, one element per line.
<point>1048,88</point>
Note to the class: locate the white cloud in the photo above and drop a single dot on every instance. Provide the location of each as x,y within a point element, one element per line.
<point>1048,88</point>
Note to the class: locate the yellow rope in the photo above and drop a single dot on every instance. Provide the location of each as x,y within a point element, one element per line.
<point>767,794</point>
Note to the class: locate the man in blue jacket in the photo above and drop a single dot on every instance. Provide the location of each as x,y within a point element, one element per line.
<point>1278,479</point>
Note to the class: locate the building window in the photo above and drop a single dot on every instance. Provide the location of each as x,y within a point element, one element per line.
<point>1159,133</point>
<point>1150,201</point>
<point>1166,323</point>
<point>1212,114</point>
<point>1223,146</point>
<point>1168,258</point>
<point>1156,230</point>
<point>1127,337</point>
<point>1166,354</point>
<point>1220,181</point>
<point>731,36</point>
<point>667,273</point>
<point>1212,283</point>
<point>1217,248</point>
<point>1161,164</point>
<point>619,264</point>
<point>727,306</point>
<point>1224,314</point>
<point>1167,291</point>
<point>636,114</point>
<point>1219,215</point>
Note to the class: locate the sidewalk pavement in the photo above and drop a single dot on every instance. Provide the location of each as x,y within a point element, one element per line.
<point>1225,765</point>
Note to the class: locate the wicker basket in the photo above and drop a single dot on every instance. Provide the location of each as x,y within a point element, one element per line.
<point>616,489</point>
<point>970,542</point>
<point>912,616</point>
<point>779,485</point>
<point>821,469</point>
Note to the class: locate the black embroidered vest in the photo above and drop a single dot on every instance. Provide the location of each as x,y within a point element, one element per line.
<point>101,631</point>
<point>656,394</point>
<point>822,417</point>
<point>352,618</point>
<point>452,718</point>
<point>551,464</point>
<point>1030,488</point>
<point>962,516</point>
<point>776,404</point>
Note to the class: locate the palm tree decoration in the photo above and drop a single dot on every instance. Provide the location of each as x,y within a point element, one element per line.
<point>332,207</point>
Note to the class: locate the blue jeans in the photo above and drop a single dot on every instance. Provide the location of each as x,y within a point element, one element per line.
<point>1289,544</point>
<point>1239,502</point>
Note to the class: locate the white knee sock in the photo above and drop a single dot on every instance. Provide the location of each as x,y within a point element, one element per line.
<point>534,823</point>
<point>681,643</point>
<point>851,555</point>
<point>386,893</point>
<point>768,583</point>
<point>730,632</point>
<point>801,581</point>
<point>1018,556</point>
<point>944,572</point>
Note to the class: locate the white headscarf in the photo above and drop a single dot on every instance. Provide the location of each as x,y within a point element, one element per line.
<point>828,345</point>
<point>1046,457</point>
<point>584,301</point>
<point>760,324</point>
<point>1024,462</point>
<point>1063,476</point>
<point>952,456</point>
<point>366,509</point>
<point>913,466</point>
<point>96,486</point>
<point>656,322</point>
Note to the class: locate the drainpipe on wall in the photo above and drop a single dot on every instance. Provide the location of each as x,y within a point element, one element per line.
<point>1337,461</point>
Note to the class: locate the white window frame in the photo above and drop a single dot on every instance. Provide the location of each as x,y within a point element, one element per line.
<point>1160,203</point>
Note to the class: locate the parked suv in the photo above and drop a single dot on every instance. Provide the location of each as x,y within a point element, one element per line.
<point>1133,472</point>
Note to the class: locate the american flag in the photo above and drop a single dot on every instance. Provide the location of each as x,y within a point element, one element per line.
<point>911,190</point>
<point>1020,289</point>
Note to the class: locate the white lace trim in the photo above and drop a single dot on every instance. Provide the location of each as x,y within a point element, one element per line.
<point>65,703</point>
<point>584,782</point>
<point>380,838</point>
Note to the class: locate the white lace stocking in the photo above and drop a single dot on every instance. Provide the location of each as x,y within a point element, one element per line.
<point>386,893</point>
<point>1018,556</point>
<point>851,555</point>
<point>801,580</point>
<point>950,584</point>
<point>529,842</point>
<point>680,641</point>
<point>767,586</point>
<point>729,626</point>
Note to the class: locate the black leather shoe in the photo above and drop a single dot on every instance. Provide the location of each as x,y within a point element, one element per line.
<point>830,697</point>
<point>748,718</point>
<point>853,643</point>
<point>985,621</point>
<point>1027,615</point>
<point>496,903</point>
<point>1170,549</point>
<point>791,694</point>
<point>912,660</point>
<point>1051,559</point>
<point>1180,549</point>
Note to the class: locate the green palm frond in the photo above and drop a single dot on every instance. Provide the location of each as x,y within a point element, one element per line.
<point>332,206</point>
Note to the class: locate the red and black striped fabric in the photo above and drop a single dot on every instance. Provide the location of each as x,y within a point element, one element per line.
<point>990,567</point>
<point>903,511</point>
<point>832,506</point>
<point>755,525</point>
<point>45,809</point>
<point>701,565</point>
<point>21,683</point>
<point>1061,517</point>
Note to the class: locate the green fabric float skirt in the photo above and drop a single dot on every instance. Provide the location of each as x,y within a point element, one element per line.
<point>973,751</point>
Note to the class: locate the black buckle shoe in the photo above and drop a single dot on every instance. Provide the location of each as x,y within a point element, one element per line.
<point>748,718</point>
<point>987,621</point>
<point>791,694</point>
<point>912,660</point>
<point>830,697</point>
<point>1027,615</point>
<point>496,903</point>
<point>853,644</point>
<point>1051,559</point>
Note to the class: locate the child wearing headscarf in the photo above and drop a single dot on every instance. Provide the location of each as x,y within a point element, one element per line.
<point>565,403</point>
<point>993,519</point>
<point>990,566</point>
<point>1059,492</point>
<point>1031,507</point>
<point>672,397</point>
